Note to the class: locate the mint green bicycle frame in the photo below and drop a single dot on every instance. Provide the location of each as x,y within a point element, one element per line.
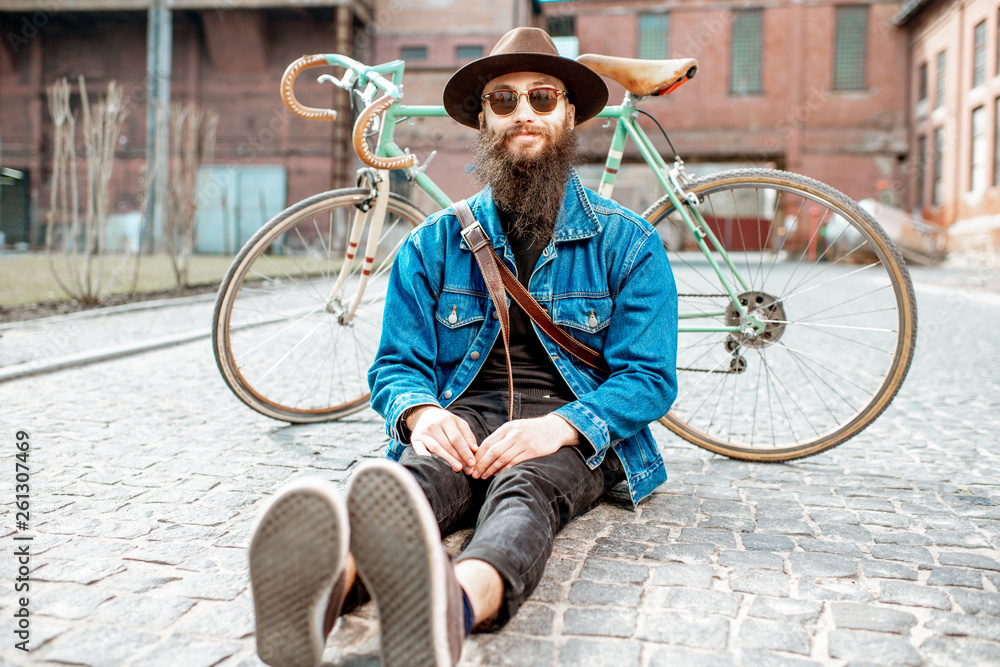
<point>624,116</point>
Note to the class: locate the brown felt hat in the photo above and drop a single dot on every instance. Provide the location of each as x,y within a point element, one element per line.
<point>523,50</point>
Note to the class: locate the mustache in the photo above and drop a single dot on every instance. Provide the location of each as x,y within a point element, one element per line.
<point>509,132</point>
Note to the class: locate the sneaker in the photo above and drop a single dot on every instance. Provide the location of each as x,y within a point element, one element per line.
<point>397,548</point>
<point>297,559</point>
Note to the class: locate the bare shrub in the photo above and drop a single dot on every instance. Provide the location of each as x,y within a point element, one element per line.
<point>192,142</point>
<point>79,237</point>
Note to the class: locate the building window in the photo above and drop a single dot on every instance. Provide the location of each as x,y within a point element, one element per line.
<point>938,166</point>
<point>747,58</point>
<point>977,174</point>
<point>470,52</point>
<point>921,110</point>
<point>921,169</point>
<point>939,80</point>
<point>850,48</point>
<point>979,54</point>
<point>996,141</point>
<point>562,29</point>
<point>413,53</point>
<point>653,30</point>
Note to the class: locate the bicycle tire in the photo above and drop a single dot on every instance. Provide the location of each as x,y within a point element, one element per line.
<point>818,374</point>
<point>277,334</point>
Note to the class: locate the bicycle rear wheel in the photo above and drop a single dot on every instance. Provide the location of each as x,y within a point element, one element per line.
<point>278,333</point>
<point>833,295</point>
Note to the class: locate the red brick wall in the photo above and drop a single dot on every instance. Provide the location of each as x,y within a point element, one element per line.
<point>231,65</point>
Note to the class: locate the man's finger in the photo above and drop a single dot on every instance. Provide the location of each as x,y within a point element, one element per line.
<point>419,448</point>
<point>433,447</point>
<point>523,456</point>
<point>503,461</point>
<point>459,445</point>
<point>487,456</point>
<point>470,437</point>
<point>493,438</point>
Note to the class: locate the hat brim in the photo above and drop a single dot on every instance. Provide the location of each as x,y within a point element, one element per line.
<point>463,92</point>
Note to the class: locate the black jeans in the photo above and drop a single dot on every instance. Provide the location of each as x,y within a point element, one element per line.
<point>518,512</point>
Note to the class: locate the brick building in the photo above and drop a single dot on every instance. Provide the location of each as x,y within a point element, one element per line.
<point>817,88</point>
<point>954,107</point>
<point>227,56</point>
<point>825,88</point>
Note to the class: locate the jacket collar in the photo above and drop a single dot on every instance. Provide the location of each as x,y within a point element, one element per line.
<point>576,219</point>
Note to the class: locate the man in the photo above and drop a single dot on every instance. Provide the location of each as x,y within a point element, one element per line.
<point>440,382</point>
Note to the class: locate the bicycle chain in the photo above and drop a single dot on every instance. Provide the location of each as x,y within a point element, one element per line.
<point>706,370</point>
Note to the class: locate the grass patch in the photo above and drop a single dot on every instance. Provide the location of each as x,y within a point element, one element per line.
<point>28,278</point>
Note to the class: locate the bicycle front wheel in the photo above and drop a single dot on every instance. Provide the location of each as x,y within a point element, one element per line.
<point>822,330</point>
<point>284,341</point>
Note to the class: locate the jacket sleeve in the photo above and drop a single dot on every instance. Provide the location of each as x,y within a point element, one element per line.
<point>641,349</point>
<point>403,374</point>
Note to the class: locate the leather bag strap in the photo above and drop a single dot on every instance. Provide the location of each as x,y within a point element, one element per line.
<point>513,286</point>
<point>479,243</point>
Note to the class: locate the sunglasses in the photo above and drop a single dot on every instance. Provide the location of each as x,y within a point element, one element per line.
<point>542,100</point>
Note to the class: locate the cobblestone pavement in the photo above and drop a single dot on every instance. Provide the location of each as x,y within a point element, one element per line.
<point>146,476</point>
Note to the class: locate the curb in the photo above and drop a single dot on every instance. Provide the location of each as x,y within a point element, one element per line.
<point>151,304</point>
<point>32,368</point>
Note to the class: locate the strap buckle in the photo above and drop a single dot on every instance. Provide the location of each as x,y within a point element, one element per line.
<point>475,243</point>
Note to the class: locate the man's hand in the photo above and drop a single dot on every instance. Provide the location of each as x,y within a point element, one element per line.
<point>523,439</point>
<point>435,431</point>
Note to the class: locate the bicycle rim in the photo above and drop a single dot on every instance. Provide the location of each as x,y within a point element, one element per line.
<point>280,336</point>
<point>834,299</point>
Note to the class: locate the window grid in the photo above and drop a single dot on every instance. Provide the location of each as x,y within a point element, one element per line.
<point>747,57</point>
<point>977,173</point>
<point>939,81</point>
<point>413,53</point>
<point>653,36</point>
<point>921,169</point>
<point>979,54</point>
<point>468,52</point>
<point>938,166</point>
<point>562,25</point>
<point>851,48</point>
<point>996,141</point>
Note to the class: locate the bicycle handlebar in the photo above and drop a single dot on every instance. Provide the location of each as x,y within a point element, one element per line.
<point>361,146</point>
<point>288,92</point>
<point>355,71</point>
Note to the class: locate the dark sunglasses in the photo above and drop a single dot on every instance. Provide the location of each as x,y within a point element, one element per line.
<point>542,100</point>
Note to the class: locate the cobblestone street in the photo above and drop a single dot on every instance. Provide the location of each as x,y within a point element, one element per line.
<point>146,475</point>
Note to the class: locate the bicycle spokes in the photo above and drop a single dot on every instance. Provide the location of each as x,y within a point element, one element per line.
<point>818,341</point>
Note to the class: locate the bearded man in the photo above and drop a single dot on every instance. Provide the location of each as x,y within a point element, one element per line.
<point>441,382</point>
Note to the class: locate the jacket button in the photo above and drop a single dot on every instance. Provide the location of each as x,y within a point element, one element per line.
<point>496,315</point>
<point>447,393</point>
<point>474,356</point>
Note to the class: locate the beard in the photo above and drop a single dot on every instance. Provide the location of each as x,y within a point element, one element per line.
<point>529,188</point>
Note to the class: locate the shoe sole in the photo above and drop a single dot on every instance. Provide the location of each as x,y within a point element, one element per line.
<point>398,552</point>
<point>296,554</point>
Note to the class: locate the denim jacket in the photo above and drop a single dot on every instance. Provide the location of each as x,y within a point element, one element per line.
<point>604,278</point>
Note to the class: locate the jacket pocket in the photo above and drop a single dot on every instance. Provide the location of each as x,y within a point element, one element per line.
<point>586,318</point>
<point>459,317</point>
<point>456,310</point>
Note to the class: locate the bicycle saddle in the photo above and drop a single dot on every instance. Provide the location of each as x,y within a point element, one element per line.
<point>642,77</point>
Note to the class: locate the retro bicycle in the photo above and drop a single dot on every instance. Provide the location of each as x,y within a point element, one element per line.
<point>797,314</point>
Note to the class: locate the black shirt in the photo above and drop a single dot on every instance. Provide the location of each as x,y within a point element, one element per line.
<point>534,372</point>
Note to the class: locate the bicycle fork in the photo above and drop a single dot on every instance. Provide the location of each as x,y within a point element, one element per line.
<point>334,304</point>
